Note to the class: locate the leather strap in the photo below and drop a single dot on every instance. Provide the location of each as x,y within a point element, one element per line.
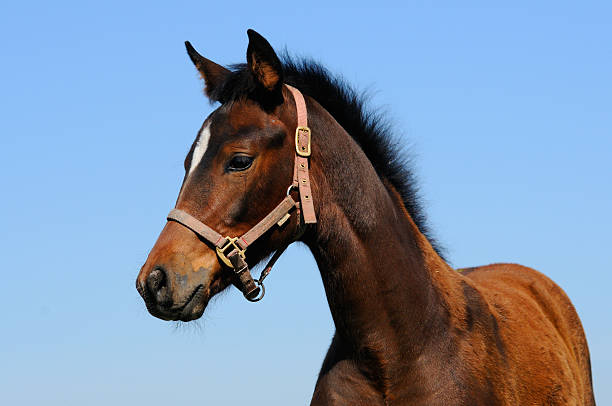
<point>249,289</point>
<point>303,140</point>
<point>278,213</point>
<point>197,227</point>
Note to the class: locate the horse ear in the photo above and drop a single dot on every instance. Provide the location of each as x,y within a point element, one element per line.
<point>214,75</point>
<point>264,64</point>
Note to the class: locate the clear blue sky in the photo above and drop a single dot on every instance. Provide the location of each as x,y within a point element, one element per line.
<point>508,109</point>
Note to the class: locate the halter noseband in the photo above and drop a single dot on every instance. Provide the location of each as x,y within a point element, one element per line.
<point>231,250</point>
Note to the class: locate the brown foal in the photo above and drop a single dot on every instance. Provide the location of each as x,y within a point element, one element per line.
<point>410,330</point>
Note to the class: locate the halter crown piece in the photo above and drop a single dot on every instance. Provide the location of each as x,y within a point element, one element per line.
<point>231,250</point>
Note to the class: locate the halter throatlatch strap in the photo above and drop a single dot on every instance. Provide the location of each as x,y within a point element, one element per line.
<point>231,250</point>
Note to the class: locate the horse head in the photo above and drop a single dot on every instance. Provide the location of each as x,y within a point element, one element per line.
<point>237,170</point>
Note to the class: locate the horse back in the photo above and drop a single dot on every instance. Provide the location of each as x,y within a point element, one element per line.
<point>545,354</point>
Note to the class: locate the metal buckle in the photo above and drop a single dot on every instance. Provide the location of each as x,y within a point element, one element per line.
<point>302,150</point>
<point>231,243</point>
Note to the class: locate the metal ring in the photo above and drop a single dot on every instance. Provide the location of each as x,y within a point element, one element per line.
<point>289,189</point>
<point>262,292</point>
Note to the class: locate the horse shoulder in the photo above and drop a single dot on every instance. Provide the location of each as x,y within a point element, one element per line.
<point>344,384</point>
<point>545,349</point>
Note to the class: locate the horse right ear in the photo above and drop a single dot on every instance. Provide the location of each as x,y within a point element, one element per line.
<point>214,75</point>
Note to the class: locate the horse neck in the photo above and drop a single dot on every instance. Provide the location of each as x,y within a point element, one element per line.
<point>387,288</point>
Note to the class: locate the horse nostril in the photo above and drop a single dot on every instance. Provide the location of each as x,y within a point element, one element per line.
<point>157,284</point>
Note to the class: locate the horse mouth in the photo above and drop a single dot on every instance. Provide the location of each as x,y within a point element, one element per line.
<point>194,306</point>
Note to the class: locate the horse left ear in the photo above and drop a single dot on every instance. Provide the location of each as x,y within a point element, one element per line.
<point>264,64</point>
<point>214,75</point>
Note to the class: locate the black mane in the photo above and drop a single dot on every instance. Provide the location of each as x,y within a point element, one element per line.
<point>368,128</point>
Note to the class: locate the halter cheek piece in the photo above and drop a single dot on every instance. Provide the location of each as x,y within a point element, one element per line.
<point>231,250</point>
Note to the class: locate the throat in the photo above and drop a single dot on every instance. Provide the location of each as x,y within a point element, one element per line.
<point>379,285</point>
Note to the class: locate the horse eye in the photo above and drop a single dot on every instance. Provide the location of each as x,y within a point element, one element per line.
<point>239,163</point>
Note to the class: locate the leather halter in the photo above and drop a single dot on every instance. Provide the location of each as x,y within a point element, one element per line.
<point>231,250</point>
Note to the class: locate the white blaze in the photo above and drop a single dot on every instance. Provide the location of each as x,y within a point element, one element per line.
<point>200,147</point>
